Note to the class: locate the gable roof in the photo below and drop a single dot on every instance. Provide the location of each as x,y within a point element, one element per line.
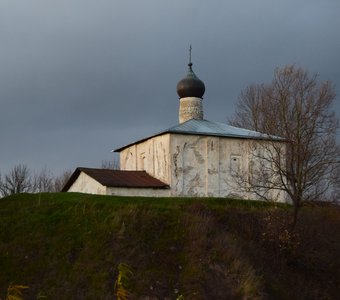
<point>209,128</point>
<point>118,178</point>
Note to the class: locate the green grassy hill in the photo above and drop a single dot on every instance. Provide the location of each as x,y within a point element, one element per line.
<point>69,246</point>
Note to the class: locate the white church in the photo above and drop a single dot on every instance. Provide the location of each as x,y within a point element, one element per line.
<point>195,158</point>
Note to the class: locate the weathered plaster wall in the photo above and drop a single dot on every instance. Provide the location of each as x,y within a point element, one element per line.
<point>143,192</point>
<point>86,184</point>
<point>152,155</point>
<point>206,166</point>
<point>195,165</point>
<point>201,165</point>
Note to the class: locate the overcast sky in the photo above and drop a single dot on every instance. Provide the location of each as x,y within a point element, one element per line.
<point>81,77</point>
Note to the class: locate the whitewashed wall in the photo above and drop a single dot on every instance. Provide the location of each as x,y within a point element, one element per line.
<point>207,166</point>
<point>201,165</point>
<point>86,184</point>
<point>195,165</point>
<point>152,155</point>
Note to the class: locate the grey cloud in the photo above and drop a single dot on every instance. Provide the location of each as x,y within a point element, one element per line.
<point>81,77</point>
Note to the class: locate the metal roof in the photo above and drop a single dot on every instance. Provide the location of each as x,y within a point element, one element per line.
<point>205,127</point>
<point>118,178</point>
<point>209,128</point>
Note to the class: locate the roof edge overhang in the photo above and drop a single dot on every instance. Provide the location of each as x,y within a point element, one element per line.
<point>263,138</point>
<point>139,141</point>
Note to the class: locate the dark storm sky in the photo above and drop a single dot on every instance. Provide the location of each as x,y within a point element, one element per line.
<point>81,77</point>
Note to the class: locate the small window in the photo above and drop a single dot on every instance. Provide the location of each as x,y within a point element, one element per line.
<point>235,164</point>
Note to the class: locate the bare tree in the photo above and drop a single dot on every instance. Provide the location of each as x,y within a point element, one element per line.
<point>18,180</point>
<point>43,181</point>
<point>110,164</point>
<point>335,193</point>
<point>297,107</point>
<point>60,181</point>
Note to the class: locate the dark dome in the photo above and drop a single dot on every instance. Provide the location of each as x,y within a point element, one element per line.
<point>190,86</point>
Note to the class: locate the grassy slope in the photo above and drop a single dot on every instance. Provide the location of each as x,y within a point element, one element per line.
<point>68,246</point>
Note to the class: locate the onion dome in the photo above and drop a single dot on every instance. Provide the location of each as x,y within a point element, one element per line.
<point>191,85</point>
